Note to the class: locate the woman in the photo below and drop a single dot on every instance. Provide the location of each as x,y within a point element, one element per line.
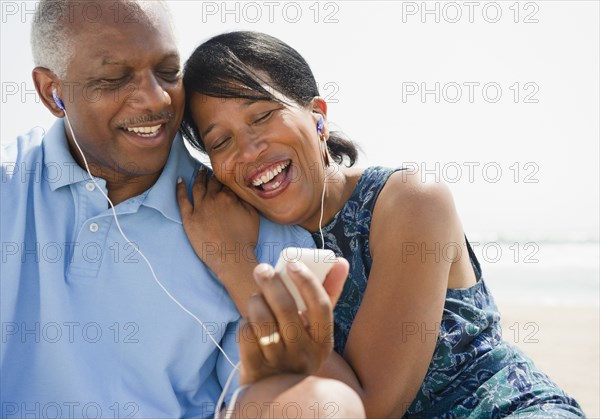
<point>416,331</point>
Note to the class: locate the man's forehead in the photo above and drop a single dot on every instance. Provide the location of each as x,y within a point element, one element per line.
<point>108,40</point>
<point>124,14</point>
<point>93,59</point>
<point>128,56</point>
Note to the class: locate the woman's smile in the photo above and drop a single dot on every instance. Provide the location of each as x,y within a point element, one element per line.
<point>272,180</point>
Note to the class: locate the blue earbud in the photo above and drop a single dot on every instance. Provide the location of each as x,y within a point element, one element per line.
<point>320,124</point>
<point>57,100</point>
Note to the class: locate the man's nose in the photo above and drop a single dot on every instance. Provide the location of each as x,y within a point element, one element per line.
<point>148,94</point>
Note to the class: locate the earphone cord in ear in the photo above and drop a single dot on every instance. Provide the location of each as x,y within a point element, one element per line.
<point>322,194</point>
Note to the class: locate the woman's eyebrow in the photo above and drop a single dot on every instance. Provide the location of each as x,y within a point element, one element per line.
<point>204,133</point>
<point>245,103</point>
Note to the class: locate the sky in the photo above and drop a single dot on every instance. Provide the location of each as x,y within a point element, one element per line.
<point>498,99</point>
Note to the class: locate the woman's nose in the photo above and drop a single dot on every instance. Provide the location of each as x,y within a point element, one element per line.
<point>251,145</point>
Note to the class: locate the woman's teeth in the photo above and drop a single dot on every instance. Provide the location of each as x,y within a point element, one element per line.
<point>270,174</point>
<point>145,131</point>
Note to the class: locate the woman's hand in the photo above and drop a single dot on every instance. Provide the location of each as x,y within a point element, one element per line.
<point>223,230</point>
<point>275,338</point>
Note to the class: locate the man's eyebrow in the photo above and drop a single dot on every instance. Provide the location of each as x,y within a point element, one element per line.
<point>112,61</point>
<point>171,55</point>
<point>107,60</point>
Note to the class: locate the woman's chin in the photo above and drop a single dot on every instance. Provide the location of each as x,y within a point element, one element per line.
<point>280,217</point>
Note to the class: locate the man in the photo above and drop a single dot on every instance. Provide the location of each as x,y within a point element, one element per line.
<point>89,329</point>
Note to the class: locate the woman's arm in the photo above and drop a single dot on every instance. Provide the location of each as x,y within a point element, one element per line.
<point>395,331</point>
<point>394,334</point>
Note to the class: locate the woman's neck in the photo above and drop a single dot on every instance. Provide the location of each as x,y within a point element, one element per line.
<point>340,184</point>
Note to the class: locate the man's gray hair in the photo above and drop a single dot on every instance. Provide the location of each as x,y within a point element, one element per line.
<point>51,37</point>
<point>50,40</point>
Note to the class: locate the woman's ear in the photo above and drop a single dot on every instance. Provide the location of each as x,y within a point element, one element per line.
<point>320,106</point>
<point>45,81</point>
<point>319,109</point>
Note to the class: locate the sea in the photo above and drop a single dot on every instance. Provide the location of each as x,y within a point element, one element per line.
<point>551,272</point>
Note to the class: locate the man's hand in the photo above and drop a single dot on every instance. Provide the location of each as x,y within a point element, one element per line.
<point>275,338</point>
<point>222,229</point>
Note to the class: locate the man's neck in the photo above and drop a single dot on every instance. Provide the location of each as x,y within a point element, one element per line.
<point>120,186</point>
<point>125,188</point>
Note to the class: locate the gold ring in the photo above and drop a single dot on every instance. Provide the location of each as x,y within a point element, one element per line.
<point>270,339</point>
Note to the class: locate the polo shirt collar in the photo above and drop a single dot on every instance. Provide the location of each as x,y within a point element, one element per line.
<point>162,195</point>
<point>58,159</point>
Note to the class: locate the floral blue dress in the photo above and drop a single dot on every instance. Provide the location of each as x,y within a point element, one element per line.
<point>473,372</point>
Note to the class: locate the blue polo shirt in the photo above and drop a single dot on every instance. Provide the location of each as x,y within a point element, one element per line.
<point>86,331</point>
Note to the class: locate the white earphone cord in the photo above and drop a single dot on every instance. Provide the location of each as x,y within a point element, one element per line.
<point>235,366</point>
<point>181,306</point>
<point>323,194</point>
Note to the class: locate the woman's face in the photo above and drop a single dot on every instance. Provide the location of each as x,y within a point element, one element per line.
<point>266,152</point>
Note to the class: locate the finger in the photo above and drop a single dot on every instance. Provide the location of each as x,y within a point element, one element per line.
<point>225,189</point>
<point>318,305</point>
<point>280,302</point>
<point>213,185</point>
<point>243,203</point>
<point>236,200</point>
<point>185,206</point>
<point>199,186</point>
<point>335,280</point>
<point>265,328</point>
<point>251,357</point>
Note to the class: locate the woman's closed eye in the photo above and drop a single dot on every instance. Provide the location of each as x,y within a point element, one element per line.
<point>263,117</point>
<point>221,143</point>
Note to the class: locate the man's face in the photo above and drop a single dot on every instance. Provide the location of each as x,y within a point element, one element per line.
<point>124,96</point>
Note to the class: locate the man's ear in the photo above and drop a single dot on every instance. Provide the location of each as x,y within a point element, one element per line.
<point>45,81</point>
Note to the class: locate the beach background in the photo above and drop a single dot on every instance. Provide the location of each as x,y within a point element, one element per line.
<point>550,310</point>
<point>498,99</point>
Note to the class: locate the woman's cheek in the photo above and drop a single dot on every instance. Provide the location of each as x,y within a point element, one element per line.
<point>218,167</point>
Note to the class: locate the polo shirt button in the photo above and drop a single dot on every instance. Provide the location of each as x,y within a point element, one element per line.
<point>94,227</point>
<point>90,186</point>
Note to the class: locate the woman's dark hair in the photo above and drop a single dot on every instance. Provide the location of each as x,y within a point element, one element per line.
<point>230,66</point>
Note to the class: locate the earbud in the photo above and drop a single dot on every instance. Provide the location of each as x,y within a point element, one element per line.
<point>57,100</point>
<point>320,124</point>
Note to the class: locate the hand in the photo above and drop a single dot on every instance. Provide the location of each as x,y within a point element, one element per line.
<point>222,229</point>
<point>303,340</point>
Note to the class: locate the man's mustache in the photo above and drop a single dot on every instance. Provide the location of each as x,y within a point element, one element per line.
<point>161,117</point>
